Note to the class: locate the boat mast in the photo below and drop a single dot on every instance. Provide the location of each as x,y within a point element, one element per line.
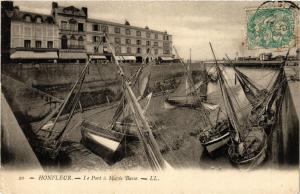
<point>231,114</point>
<point>189,79</point>
<point>151,148</point>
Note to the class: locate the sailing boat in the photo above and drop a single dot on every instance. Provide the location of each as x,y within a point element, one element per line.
<point>248,143</point>
<point>215,136</point>
<point>110,138</point>
<point>49,133</point>
<point>186,94</point>
<point>263,113</point>
<point>154,157</point>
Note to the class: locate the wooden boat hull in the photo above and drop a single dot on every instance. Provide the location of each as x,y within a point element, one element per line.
<point>251,159</point>
<point>101,141</point>
<point>215,144</point>
<point>216,137</point>
<point>175,102</point>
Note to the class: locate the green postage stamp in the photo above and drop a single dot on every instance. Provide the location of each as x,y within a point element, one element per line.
<point>271,28</point>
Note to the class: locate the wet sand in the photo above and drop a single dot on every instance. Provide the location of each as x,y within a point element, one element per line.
<point>177,139</point>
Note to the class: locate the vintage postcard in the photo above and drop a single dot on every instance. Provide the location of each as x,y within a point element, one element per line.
<point>149,97</point>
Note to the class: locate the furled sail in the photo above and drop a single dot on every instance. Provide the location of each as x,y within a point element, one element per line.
<point>252,92</point>
<point>140,83</point>
<point>146,137</point>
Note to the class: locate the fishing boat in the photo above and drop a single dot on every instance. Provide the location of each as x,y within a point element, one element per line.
<point>187,93</point>
<point>264,111</point>
<point>49,133</point>
<point>215,137</point>
<point>151,149</point>
<point>105,141</point>
<point>248,142</point>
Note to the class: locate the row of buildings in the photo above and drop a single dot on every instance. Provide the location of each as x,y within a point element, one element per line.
<point>69,35</point>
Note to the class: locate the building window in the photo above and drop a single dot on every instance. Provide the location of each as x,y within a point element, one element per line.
<point>117,30</point>
<point>96,38</point>
<point>156,36</point>
<point>117,40</point>
<point>166,51</point>
<point>95,27</point>
<point>155,43</point>
<point>104,29</point>
<point>138,50</point>
<point>138,33</point>
<point>128,50</point>
<point>72,42</point>
<point>127,31</point>
<point>38,20</point>
<point>28,19</point>
<point>50,44</point>
<point>128,41</point>
<point>148,35</point>
<point>27,43</point>
<point>156,51</point>
<point>96,49</point>
<point>166,44</point>
<point>64,42</point>
<point>166,37</point>
<point>80,27</point>
<point>72,27</point>
<point>148,50</point>
<point>38,44</point>
<point>80,42</point>
<point>118,50</point>
<point>63,25</point>
<point>138,42</point>
<point>148,43</point>
<point>104,39</point>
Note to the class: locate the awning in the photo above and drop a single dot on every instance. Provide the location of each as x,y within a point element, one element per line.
<point>119,58</point>
<point>129,58</point>
<point>33,55</point>
<point>72,56</point>
<point>166,58</point>
<point>97,57</point>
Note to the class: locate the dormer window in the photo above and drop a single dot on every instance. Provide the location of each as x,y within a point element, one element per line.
<point>38,20</point>
<point>28,18</point>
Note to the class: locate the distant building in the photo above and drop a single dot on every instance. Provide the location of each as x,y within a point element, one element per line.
<point>265,56</point>
<point>67,35</point>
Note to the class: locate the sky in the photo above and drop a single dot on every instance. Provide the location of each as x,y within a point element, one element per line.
<point>193,24</point>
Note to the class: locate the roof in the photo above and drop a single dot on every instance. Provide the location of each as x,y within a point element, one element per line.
<point>123,25</point>
<point>71,10</point>
<point>20,16</point>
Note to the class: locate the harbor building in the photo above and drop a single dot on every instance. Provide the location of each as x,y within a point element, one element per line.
<point>68,35</point>
<point>34,37</point>
<point>130,43</point>
<point>72,32</point>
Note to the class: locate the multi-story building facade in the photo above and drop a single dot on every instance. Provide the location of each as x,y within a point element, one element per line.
<point>130,43</point>
<point>33,37</point>
<point>72,35</point>
<point>68,35</point>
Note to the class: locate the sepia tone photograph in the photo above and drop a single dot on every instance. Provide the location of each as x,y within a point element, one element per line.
<point>149,86</point>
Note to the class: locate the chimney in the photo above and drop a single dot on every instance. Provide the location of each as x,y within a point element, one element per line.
<point>54,5</point>
<point>16,10</point>
<point>7,5</point>
<point>85,10</point>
